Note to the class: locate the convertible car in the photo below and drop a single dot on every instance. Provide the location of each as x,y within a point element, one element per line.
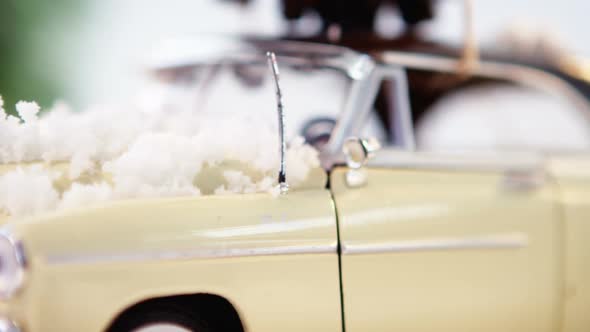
<point>373,240</point>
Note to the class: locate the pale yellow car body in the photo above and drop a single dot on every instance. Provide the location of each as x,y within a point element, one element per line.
<point>88,266</point>
<point>421,249</point>
<point>421,243</point>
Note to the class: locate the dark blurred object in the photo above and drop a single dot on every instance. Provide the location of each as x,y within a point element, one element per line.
<point>351,23</point>
<point>354,16</point>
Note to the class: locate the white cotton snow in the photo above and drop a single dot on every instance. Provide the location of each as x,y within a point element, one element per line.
<point>85,194</point>
<point>156,165</point>
<point>29,191</point>
<point>132,152</point>
<point>28,111</point>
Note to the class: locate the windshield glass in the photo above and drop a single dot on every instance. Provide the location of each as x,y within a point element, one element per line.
<point>313,96</point>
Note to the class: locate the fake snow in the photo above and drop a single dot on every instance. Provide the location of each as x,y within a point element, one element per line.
<point>28,192</point>
<point>120,153</point>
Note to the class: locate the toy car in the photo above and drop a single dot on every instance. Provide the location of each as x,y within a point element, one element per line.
<point>405,240</point>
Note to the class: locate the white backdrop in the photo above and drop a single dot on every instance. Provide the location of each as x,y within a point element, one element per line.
<point>102,56</point>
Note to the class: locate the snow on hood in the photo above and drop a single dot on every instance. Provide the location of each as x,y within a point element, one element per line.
<point>145,154</point>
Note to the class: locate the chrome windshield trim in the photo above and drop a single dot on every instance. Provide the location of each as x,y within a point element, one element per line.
<point>363,90</point>
<point>402,127</point>
<point>184,54</point>
<point>499,241</point>
<point>196,253</point>
<point>358,68</point>
<point>520,74</point>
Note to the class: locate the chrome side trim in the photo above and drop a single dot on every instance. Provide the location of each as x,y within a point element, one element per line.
<point>461,161</point>
<point>500,241</point>
<point>196,253</point>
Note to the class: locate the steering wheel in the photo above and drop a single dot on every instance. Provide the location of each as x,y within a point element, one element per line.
<point>317,131</point>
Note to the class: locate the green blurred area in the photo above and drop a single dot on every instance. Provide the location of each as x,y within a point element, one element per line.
<point>26,34</point>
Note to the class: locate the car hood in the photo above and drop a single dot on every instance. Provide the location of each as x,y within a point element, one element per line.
<point>206,224</point>
<point>208,179</point>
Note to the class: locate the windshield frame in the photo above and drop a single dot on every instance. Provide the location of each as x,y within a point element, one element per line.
<point>360,69</point>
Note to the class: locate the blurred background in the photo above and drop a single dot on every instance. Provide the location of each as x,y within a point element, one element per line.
<point>94,51</point>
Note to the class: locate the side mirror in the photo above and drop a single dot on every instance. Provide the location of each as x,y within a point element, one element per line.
<point>357,152</point>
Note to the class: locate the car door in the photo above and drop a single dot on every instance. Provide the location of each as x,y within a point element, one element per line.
<point>433,243</point>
